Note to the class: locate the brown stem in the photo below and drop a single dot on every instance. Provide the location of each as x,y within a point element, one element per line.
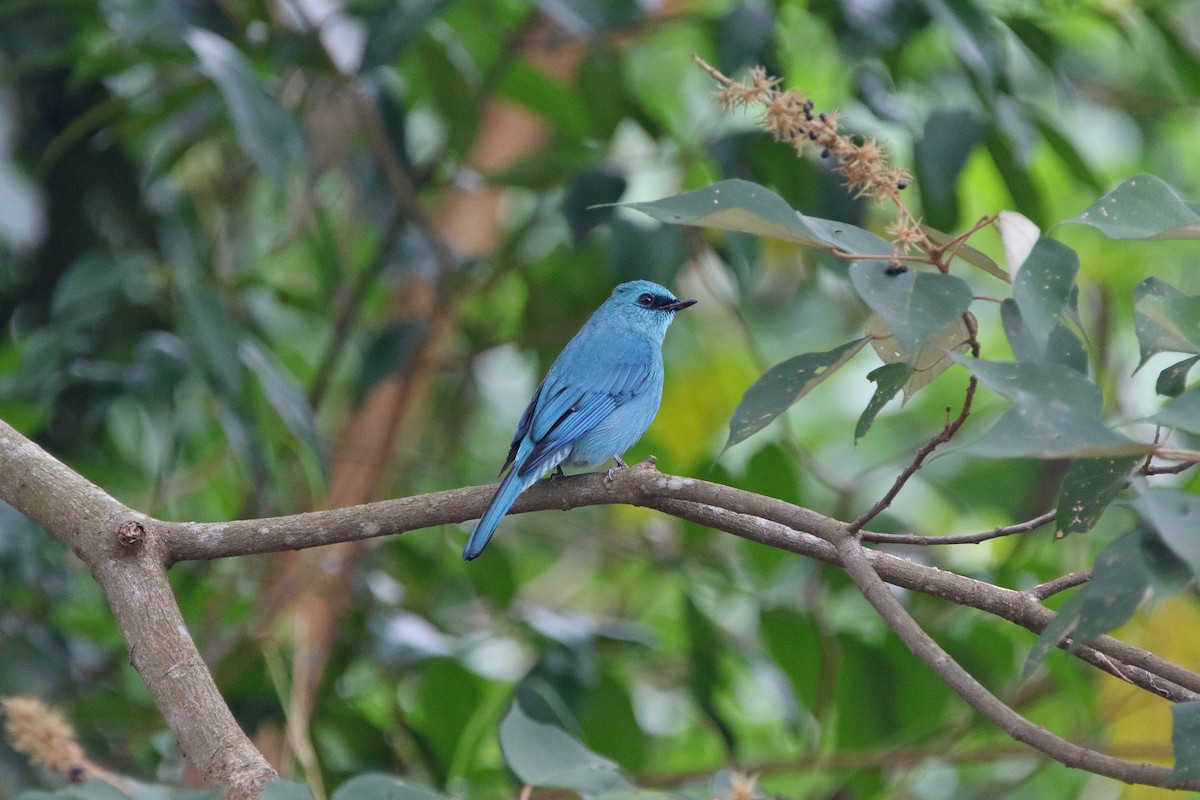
<point>129,562</point>
<point>945,435</point>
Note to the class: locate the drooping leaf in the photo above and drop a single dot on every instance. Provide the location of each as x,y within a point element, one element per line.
<point>932,359</point>
<point>1001,144</point>
<point>1120,583</point>
<point>1143,207</point>
<point>265,130</point>
<point>1066,349</point>
<point>1021,341</point>
<point>742,35</point>
<point>1172,380</point>
<point>386,355</point>
<point>1036,382</point>
<point>1182,413</point>
<point>782,385</point>
<point>545,755</point>
<point>888,379</point>
<point>1185,740</point>
<point>1166,322</point>
<point>1042,287</point>
<point>391,27</point>
<point>588,200</point>
<point>1175,518</point>
<point>216,335</point>
<point>949,136</point>
<point>382,787</point>
<point>1055,414</point>
<point>704,679</point>
<point>915,305</point>
<point>1053,431</point>
<point>287,398</point>
<point>738,205</point>
<point>1089,486</point>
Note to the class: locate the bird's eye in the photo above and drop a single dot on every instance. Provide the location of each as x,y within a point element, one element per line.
<point>645,300</point>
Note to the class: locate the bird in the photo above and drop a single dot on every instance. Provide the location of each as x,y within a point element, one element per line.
<point>597,399</point>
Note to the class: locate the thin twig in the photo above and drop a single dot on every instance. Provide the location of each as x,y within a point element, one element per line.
<point>966,538</point>
<point>1060,584</point>
<point>945,435</point>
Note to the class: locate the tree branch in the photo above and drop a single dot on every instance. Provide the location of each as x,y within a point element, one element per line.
<point>923,646</point>
<point>130,564</point>
<point>128,553</point>
<point>766,520</point>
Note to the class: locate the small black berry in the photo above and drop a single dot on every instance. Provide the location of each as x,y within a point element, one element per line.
<point>825,153</point>
<point>902,185</point>
<point>895,268</point>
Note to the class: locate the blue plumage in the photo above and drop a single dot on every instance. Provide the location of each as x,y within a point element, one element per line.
<point>599,397</point>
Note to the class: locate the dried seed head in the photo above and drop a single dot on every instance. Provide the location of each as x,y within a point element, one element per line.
<point>44,735</point>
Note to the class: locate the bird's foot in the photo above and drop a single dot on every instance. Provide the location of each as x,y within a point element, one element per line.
<point>620,465</point>
<point>558,473</point>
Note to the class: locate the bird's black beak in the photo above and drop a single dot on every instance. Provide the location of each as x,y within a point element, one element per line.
<point>676,305</point>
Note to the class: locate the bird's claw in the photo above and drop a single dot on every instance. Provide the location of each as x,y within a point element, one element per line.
<point>620,465</point>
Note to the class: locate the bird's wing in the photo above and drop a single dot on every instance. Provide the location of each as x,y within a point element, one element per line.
<point>522,427</point>
<point>567,409</point>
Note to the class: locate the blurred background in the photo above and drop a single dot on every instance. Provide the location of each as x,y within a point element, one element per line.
<point>258,258</point>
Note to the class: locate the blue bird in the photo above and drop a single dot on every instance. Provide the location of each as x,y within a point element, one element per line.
<point>599,397</point>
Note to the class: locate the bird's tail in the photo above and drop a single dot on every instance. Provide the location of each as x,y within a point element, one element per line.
<point>510,488</point>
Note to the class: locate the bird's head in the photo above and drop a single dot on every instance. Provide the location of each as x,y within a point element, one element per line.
<point>646,306</point>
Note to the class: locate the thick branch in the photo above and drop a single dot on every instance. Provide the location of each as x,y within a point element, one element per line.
<point>130,564</point>
<point>132,575</point>
<point>766,520</point>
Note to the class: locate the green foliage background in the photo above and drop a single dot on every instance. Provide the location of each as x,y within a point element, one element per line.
<point>188,206</point>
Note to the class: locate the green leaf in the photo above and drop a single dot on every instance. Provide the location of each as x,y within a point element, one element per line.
<point>704,640</point>
<point>1172,380</point>
<point>1088,488</point>
<point>1055,414</point>
<point>737,205</point>
<point>1175,518</point>
<point>1120,582</point>
<point>1055,431</point>
<point>889,379</point>
<point>288,400</point>
<point>267,132</point>
<point>382,787</point>
<point>279,789</point>
<point>949,136</point>
<point>1042,287</point>
<point>932,359</point>
<point>915,305</point>
<point>391,27</point>
<point>544,755</point>
<point>1182,413</point>
<point>387,354</point>
<point>216,335</point>
<point>1166,323</point>
<point>1020,340</point>
<point>1032,383</point>
<point>88,285</point>
<point>1143,207</point>
<point>782,385</point>
<point>1066,349</point>
<point>1185,740</point>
